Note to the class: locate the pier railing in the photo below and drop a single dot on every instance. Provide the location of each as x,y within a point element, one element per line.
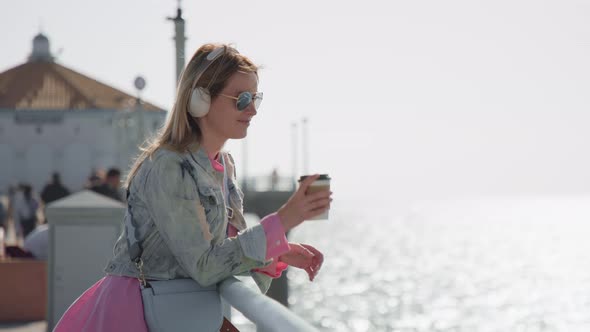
<point>266,313</point>
<point>268,183</point>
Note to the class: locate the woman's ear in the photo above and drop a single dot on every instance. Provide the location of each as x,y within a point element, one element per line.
<point>199,103</point>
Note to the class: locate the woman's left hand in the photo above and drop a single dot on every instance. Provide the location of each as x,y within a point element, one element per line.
<point>304,257</point>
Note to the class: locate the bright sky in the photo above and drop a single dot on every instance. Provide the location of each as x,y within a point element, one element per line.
<point>431,98</point>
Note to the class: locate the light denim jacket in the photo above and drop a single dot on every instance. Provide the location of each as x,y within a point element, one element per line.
<point>177,202</point>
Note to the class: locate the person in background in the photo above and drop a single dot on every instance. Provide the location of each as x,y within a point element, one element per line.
<point>184,205</point>
<point>24,211</point>
<point>37,242</point>
<point>10,207</point>
<point>3,215</point>
<point>274,179</point>
<point>111,186</point>
<point>94,179</point>
<point>54,190</point>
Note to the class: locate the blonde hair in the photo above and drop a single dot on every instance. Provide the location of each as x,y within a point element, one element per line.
<point>180,129</point>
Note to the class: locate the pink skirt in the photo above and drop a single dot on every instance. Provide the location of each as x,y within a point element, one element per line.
<point>112,304</point>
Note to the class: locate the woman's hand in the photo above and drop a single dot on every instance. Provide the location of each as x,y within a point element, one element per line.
<point>305,257</point>
<point>300,206</point>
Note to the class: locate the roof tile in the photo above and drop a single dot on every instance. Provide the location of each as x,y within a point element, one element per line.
<point>50,86</point>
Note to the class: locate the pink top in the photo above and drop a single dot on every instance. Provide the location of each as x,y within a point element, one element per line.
<point>276,241</point>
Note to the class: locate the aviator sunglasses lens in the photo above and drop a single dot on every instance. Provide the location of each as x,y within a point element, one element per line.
<point>257,100</point>
<point>244,99</point>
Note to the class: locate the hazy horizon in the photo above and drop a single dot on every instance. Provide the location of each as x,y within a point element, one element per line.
<point>404,99</point>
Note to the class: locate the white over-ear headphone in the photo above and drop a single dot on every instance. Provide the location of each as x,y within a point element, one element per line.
<point>200,99</point>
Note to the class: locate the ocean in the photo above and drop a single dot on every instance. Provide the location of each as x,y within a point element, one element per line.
<point>517,264</point>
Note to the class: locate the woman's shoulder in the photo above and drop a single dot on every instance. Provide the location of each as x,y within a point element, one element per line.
<point>166,169</point>
<point>164,159</point>
<point>164,154</point>
<point>161,162</point>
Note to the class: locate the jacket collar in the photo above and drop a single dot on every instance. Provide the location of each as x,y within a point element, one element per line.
<point>198,154</point>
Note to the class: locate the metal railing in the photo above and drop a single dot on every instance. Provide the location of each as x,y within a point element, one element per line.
<point>266,313</point>
<point>268,183</point>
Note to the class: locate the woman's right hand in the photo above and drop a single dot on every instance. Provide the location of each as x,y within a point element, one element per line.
<point>300,206</point>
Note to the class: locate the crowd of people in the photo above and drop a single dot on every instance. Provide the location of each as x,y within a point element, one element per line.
<point>24,209</point>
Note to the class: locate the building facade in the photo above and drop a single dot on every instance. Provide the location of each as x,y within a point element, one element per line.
<point>54,119</point>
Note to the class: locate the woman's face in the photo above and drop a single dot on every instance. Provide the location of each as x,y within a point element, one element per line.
<point>224,121</point>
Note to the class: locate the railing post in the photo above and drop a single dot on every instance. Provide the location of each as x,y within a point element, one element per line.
<point>279,289</point>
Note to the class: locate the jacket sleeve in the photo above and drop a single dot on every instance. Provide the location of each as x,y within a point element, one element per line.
<point>180,218</point>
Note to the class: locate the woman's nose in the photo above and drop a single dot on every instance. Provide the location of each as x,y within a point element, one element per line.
<point>251,109</point>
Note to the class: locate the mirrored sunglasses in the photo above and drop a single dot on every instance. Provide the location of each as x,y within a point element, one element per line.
<point>246,98</point>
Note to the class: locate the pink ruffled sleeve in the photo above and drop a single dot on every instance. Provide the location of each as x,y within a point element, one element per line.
<point>276,241</point>
<point>276,245</point>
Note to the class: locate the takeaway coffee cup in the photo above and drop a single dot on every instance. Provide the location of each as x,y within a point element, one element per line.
<point>322,183</point>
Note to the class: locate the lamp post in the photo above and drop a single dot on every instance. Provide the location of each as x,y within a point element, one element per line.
<point>179,39</point>
<point>305,147</point>
<point>245,164</point>
<point>139,85</point>
<point>294,147</point>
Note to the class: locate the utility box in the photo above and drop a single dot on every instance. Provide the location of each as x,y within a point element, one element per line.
<point>83,228</point>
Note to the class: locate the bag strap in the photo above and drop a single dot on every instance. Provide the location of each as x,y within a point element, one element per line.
<point>225,185</point>
<point>134,244</point>
<point>132,234</point>
<point>228,208</point>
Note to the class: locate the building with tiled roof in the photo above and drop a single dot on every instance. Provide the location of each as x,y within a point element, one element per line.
<point>54,119</point>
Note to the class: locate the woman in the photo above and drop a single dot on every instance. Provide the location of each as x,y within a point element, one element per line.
<point>184,205</point>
